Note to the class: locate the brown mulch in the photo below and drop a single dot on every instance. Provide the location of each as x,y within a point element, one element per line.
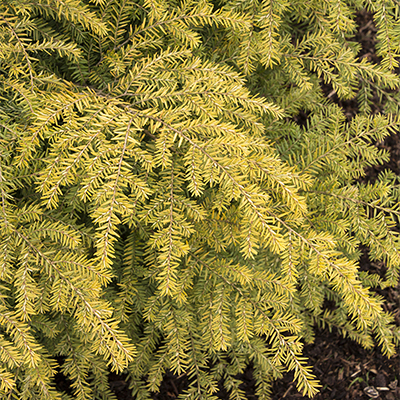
<point>345,370</point>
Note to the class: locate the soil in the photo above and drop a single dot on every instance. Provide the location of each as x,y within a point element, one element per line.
<point>345,370</point>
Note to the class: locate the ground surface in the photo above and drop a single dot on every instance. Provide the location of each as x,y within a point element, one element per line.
<point>345,370</point>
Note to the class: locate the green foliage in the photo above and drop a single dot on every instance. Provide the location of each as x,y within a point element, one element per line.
<point>160,208</point>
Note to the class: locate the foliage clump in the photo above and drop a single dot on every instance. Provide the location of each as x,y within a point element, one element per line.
<point>160,208</point>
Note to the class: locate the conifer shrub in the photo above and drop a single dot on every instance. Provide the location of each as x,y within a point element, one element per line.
<point>162,210</point>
